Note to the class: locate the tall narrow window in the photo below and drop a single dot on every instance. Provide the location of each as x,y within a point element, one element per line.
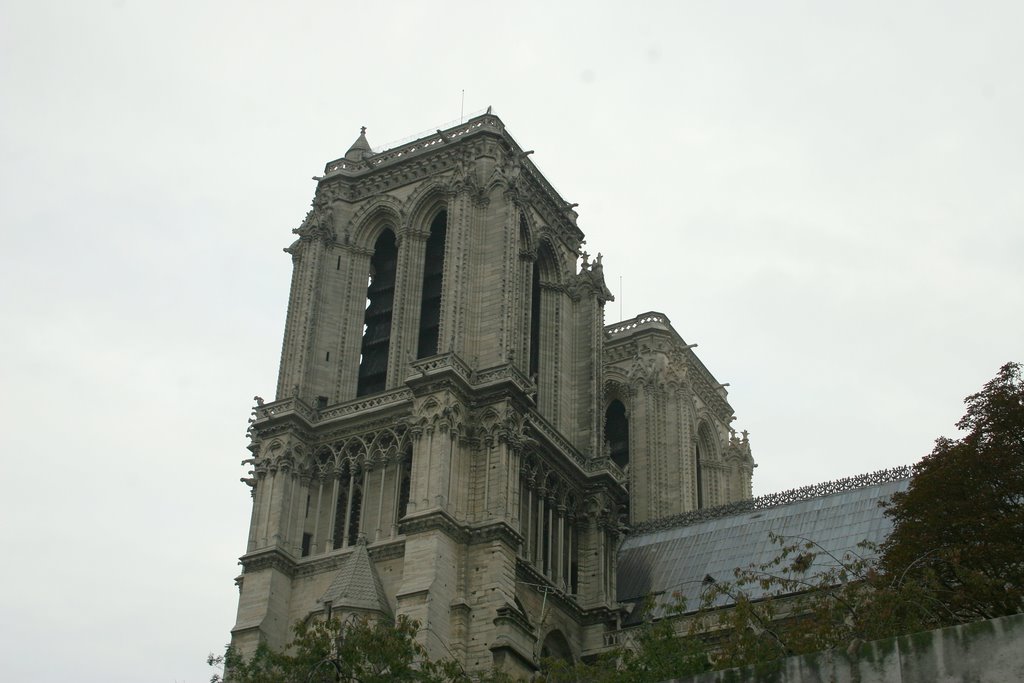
<point>545,530</point>
<point>704,454</point>
<point>700,483</point>
<point>574,561</point>
<point>341,512</point>
<point>403,487</point>
<point>380,295</point>
<point>347,510</point>
<point>535,322</point>
<point>616,432</point>
<point>357,511</point>
<point>433,276</point>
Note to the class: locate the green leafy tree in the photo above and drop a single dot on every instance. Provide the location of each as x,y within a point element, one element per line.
<point>954,554</point>
<point>359,650</point>
<point>807,599</point>
<point>959,528</point>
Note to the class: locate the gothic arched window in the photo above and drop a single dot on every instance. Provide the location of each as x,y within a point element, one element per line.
<point>535,322</point>
<point>404,481</point>
<point>542,303</point>
<point>380,295</point>
<point>616,432</point>
<point>433,276</point>
<point>702,453</point>
<point>700,483</point>
<point>348,509</point>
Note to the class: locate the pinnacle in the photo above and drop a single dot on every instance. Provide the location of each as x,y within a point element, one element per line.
<point>360,149</point>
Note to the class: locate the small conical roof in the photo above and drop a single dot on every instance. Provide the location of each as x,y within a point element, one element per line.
<point>357,586</point>
<point>360,149</point>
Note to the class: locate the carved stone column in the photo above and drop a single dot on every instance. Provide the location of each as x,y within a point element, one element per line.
<point>412,247</point>
<point>356,263</point>
<point>333,519</point>
<point>539,556</point>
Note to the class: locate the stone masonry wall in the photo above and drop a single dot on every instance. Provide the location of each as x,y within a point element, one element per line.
<point>983,652</point>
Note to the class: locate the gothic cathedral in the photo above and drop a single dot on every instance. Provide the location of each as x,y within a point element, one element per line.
<point>457,435</point>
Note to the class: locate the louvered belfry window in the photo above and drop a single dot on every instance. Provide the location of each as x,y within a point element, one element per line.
<point>433,277</point>
<point>380,296</point>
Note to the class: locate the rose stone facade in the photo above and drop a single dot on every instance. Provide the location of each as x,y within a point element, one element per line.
<point>457,435</point>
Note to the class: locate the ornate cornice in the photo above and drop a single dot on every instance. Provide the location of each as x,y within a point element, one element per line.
<point>318,564</point>
<point>441,152</point>
<point>434,520</point>
<point>497,531</point>
<point>439,520</point>
<point>295,413</point>
<point>268,558</point>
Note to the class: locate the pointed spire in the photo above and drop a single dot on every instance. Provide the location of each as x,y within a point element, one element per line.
<point>360,149</point>
<point>357,586</point>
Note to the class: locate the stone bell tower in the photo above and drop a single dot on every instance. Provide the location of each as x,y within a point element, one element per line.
<point>436,447</point>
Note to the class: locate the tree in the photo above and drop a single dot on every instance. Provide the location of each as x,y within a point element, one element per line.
<point>954,554</point>
<point>359,650</point>
<point>958,528</point>
<point>807,599</point>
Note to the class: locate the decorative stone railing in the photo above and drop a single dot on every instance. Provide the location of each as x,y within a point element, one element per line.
<point>502,373</point>
<point>772,500</point>
<point>429,132</point>
<point>435,365</point>
<point>431,140</point>
<point>313,416</point>
<point>650,319</point>
<point>476,123</point>
<point>545,429</point>
<point>450,361</point>
<point>366,404</point>
<point>283,407</point>
<point>598,464</point>
<point>446,361</point>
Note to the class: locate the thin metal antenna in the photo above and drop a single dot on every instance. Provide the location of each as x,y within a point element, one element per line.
<point>620,298</point>
<point>462,107</point>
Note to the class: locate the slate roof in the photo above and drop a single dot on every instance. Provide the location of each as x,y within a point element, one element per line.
<point>357,585</point>
<point>682,558</point>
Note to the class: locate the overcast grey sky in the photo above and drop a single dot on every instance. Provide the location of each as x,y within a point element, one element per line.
<point>826,197</point>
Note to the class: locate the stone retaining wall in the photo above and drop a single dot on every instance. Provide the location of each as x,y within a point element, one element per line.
<point>982,652</point>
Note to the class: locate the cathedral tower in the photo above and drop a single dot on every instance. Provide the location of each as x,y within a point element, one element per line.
<point>441,442</point>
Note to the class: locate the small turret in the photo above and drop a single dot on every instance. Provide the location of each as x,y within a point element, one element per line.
<point>360,149</point>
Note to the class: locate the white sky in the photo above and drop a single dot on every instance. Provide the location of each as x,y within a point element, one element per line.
<point>826,197</point>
